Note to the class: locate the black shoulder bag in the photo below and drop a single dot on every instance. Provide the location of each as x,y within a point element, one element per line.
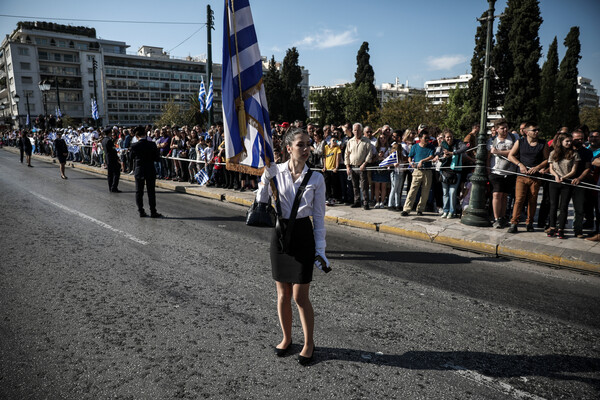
<point>283,228</point>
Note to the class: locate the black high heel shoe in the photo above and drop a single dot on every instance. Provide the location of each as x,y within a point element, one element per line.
<point>304,361</point>
<point>283,352</point>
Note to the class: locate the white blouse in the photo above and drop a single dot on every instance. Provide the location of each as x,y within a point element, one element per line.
<point>312,202</point>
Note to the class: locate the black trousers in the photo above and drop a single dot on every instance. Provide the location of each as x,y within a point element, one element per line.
<point>113,173</point>
<point>559,198</point>
<point>139,193</point>
<point>360,184</point>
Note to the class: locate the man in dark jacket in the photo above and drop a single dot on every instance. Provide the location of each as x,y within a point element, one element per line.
<point>112,160</point>
<point>144,154</point>
<point>25,147</point>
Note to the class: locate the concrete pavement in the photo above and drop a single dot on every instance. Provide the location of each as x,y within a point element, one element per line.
<point>572,253</point>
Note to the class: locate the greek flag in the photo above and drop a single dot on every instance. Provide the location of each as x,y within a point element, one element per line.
<point>248,141</point>
<point>201,95</point>
<point>209,96</point>
<point>390,160</point>
<point>58,113</point>
<point>94,109</point>
<point>201,177</point>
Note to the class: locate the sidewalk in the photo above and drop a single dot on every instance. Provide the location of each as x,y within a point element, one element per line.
<point>573,253</point>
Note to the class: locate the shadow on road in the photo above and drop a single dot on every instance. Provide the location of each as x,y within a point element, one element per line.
<point>210,218</point>
<point>393,256</point>
<point>555,366</point>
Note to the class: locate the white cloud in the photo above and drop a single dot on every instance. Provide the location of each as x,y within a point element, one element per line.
<point>445,62</point>
<point>326,39</point>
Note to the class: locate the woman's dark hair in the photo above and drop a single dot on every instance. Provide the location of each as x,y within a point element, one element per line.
<point>291,134</point>
<point>560,152</point>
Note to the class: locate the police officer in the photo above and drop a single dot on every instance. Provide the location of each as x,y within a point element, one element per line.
<point>144,154</point>
<point>112,160</point>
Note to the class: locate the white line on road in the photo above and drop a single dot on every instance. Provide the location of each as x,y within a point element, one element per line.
<point>94,220</point>
<point>492,383</point>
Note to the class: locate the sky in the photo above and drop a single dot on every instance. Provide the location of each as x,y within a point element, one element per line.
<point>413,41</point>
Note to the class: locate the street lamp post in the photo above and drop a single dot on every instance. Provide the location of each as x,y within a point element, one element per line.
<point>28,113</point>
<point>16,99</point>
<point>477,214</point>
<point>45,87</point>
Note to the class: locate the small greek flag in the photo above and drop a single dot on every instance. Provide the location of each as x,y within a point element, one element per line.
<point>201,95</point>
<point>58,113</point>
<point>209,96</point>
<point>390,160</point>
<point>201,177</point>
<point>95,109</point>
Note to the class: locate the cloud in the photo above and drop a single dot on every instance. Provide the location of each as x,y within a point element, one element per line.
<point>326,39</point>
<point>445,62</point>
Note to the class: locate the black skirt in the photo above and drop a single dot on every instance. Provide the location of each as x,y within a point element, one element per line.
<point>296,265</point>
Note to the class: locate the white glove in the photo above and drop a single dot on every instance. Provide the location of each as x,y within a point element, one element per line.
<point>271,171</point>
<point>322,262</point>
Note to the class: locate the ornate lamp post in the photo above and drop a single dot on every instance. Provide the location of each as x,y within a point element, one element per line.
<point>477,214</point>
<point>44,88</point>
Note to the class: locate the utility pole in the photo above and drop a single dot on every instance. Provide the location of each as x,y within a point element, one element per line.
<point>94,67</point>
<point>209,28</point>
<point>477,214</point>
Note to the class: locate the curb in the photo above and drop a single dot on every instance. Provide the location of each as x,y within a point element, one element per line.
<point>496,250</point>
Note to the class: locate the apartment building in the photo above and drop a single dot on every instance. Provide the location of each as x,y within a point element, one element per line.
<point>438,91</point>
<point>587,96</point>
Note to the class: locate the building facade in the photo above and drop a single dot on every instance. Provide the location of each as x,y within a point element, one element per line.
<point>438,91</point>
<point>587,96</point>
<point>131,89</point>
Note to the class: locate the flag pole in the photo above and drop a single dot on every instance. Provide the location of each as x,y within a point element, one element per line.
<point>209,28</point>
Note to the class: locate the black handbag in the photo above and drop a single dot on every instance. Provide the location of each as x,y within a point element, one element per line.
<point>261,214</point>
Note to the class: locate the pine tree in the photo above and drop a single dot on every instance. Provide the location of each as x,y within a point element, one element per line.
<point>521,100</point>
<point>274,91</point>
<point>501,58</point>
<point>566,82</point>
<point>458,111</point>
<point>291,77</point>
<point>549,118</point>
<point>475,89</point>
<point>364,85</point>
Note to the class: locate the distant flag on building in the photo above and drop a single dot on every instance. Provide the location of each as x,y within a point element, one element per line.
<point>390,160</point>
<point>95,109</point>
<point>248,141</point>
<point>201,95</point>
<point>58,112</point>
<point>209,96</point>
<point>201,177</point>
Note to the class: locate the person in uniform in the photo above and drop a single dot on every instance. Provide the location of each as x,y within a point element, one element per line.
<point>62,151</point>
<point>112,160</point>
<point>144,154</point>
<point>25,147</point>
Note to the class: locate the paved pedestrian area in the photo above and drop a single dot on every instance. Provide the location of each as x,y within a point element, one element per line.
<point>535,246</point>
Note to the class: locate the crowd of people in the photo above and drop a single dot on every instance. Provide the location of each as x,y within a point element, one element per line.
<point>420,170</point>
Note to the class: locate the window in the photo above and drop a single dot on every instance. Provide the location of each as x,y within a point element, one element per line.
<point>43,55</point>
<point>91,71</point>
<point>69,57</point>
<point>62,43</point>
<point>91,84</point>
<point>23,51</point>
<point>91,57</point>
<point>41,41</point>
<point>56,57</point>
<point>26,79</point>
<point>81,46</point>
<point>26,66</point>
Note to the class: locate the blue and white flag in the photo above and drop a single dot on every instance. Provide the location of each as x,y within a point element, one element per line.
<point>248,141</point>
<point>201,177</point>
<point>390,160</point>
<point>95,109</point>
<point>201,95</point>
<point>58,112</point>
<point>209,96</point>
<point>27,121</point>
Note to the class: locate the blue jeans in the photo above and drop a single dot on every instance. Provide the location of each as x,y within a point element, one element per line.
<point>450,196</point>
<point>397,179</point>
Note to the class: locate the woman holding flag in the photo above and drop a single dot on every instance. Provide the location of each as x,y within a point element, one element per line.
<point>292,267</point>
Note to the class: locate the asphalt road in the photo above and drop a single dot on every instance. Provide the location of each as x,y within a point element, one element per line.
<point>97,303</point>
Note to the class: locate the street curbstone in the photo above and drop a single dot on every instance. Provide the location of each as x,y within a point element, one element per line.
<point>478,247</point>
<point>394,230</point>
<point>357,224</point>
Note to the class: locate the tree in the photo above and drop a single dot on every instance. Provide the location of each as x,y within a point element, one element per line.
<point>412,111</point>
<point>172,114</point>
<point>521,100</point>
<point>501,58</point>
<point>549,117</point>
<point>361,98</point>
<point>330,104</point>
<point>291,77</point>
<point>474,93</point>
<point>590,116</point>
<point>459,115</point>
<point>566,82</point>
<point>274,92</point>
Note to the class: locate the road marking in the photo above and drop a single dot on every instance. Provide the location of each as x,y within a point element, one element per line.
<point>492,383</point>
<point>91,219</point>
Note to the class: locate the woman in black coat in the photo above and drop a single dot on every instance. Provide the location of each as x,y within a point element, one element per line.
<point>61,150</point>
